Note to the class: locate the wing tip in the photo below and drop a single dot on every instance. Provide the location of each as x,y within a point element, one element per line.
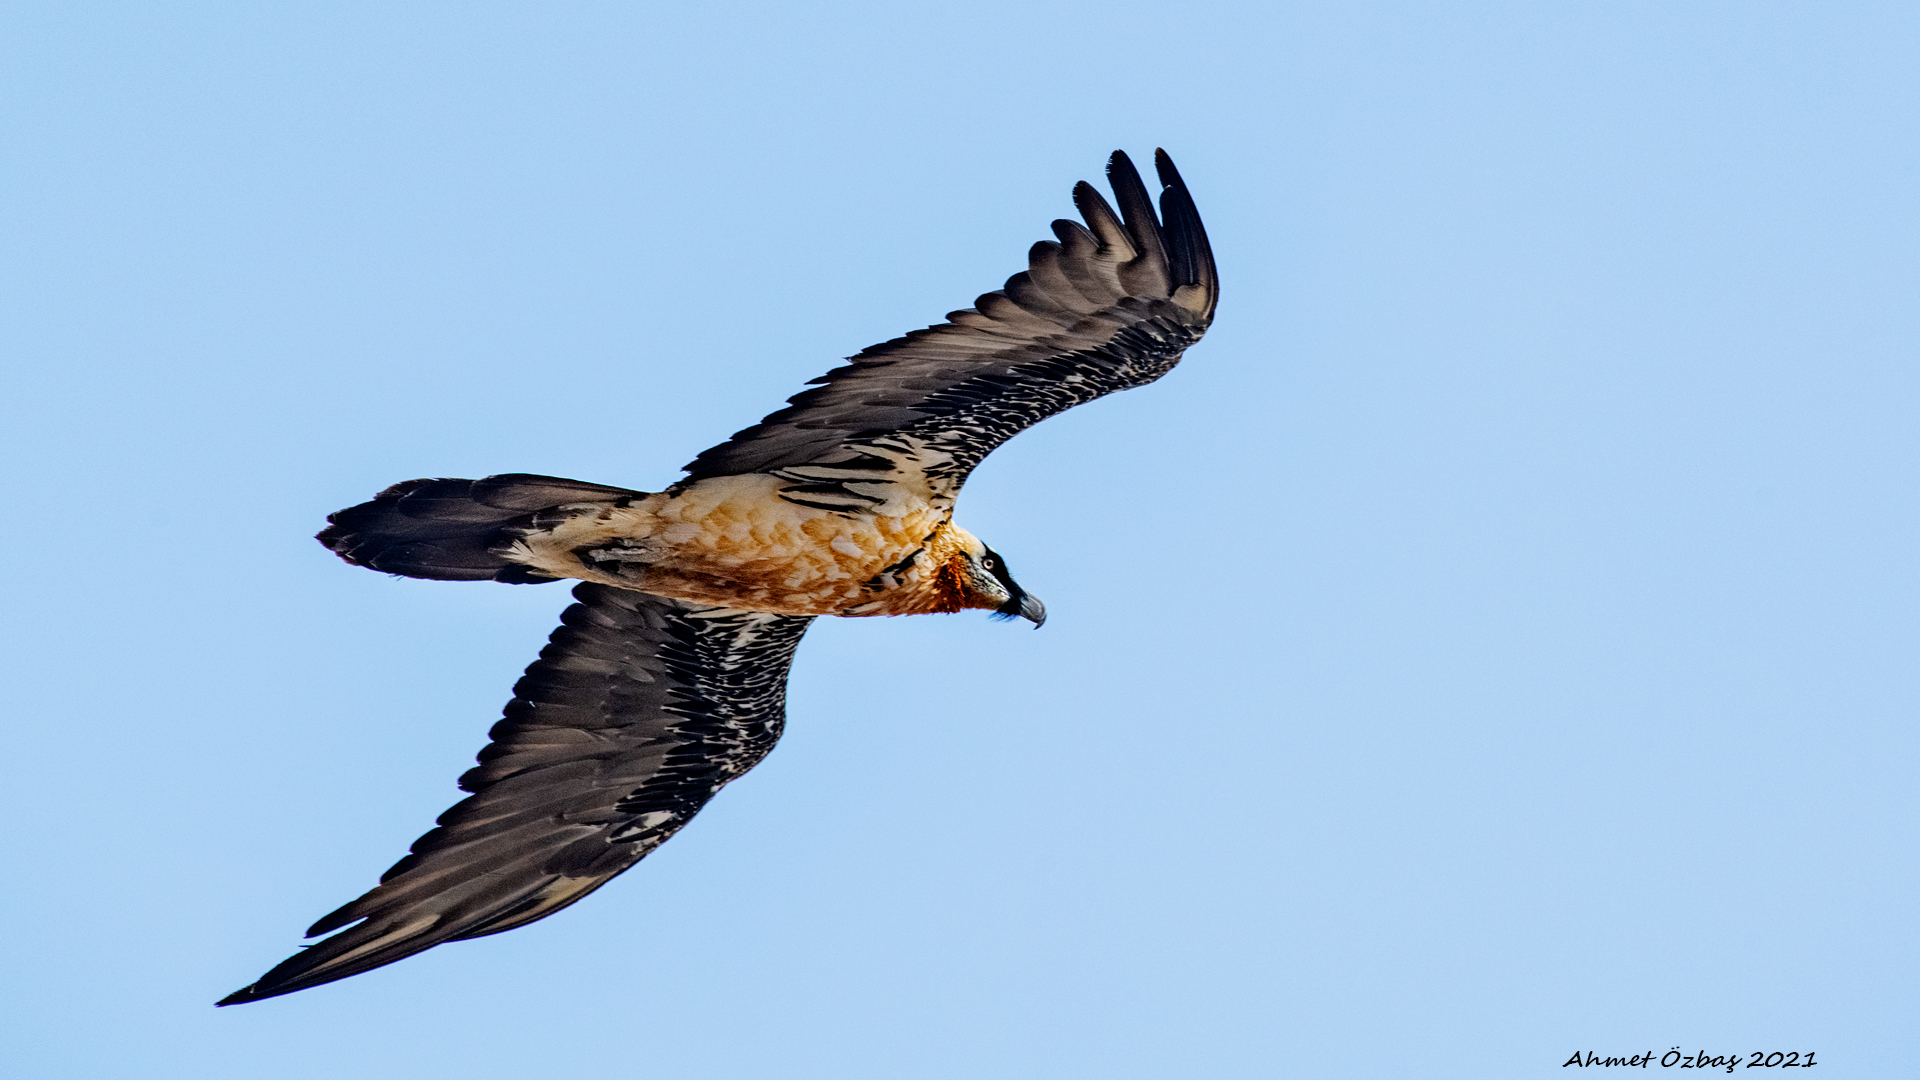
<point>1143,226</point>
<point>290,975</point>
<point>1196,279</point>
<point>1172,261</point>
<point>266,986</point>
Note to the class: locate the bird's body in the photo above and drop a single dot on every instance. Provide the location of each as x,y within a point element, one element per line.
<point>667,680</point>
<point>734,540</point>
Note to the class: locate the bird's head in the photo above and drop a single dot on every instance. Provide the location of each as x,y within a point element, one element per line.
<point>979,577</point>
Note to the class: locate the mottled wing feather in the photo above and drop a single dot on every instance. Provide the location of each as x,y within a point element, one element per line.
<point>1107,306</point>
<point>638,711</point>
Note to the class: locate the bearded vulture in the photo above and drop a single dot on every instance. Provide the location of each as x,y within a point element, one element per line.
<point>667,679</point>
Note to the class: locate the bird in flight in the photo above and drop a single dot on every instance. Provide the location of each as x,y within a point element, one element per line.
<point>667,678</point>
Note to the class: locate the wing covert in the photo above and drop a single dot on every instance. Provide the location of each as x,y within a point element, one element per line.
<point>1107,305</point>
<point>638,710</point>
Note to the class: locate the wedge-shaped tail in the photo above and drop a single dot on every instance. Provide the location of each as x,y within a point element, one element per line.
<point>449,530</point>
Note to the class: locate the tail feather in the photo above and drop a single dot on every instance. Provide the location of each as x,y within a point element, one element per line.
<point>450,530</point>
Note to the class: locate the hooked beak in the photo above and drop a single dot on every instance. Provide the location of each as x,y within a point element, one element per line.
<point>1032,609</point>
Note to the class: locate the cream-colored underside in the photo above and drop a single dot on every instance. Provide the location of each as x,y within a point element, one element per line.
<point>733,540</point>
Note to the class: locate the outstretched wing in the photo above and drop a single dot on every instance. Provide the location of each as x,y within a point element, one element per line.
<point>638,710</point>
<point>1110,305</point>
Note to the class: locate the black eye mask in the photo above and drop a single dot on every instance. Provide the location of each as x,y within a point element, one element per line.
<point>997,566</point>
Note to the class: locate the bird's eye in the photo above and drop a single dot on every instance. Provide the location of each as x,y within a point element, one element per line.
<point>987,562</point>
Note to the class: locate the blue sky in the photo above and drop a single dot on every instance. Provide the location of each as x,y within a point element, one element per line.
<point>1494,641</point>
